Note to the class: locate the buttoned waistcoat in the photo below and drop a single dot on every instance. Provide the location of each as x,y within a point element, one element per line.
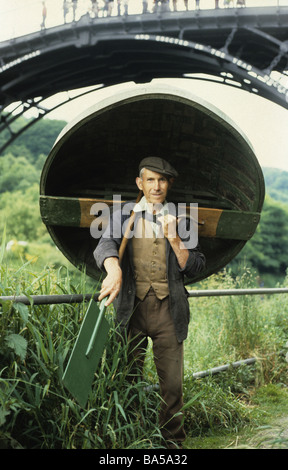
<point>108,246</point>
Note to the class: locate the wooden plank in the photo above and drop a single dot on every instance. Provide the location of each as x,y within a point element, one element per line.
<point>60,211</point>
<point>239,225</point>
<point>218,223</point>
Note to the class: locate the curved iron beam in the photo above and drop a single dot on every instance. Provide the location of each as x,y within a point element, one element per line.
<point>241,70</point>
<point>124,56</point>
<point>231,70</point>
<point>281,45</point>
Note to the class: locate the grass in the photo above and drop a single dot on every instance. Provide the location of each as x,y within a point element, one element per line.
<point>267,429</point>
<point>35,342</point>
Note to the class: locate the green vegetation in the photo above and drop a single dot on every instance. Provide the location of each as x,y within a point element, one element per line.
<point>277,183</point>
<point>267,251</point>
<point>224,330</point>
<point>35,342</point>
<point>20,170</point>
<point>223,410</point>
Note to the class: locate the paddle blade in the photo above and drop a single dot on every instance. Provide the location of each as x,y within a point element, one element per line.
<point>86,353</point>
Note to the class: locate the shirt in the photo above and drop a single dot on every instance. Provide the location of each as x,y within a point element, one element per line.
<point>144,206</point>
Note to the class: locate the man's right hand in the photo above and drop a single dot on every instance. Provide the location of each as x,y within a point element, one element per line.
<point>112,283</point>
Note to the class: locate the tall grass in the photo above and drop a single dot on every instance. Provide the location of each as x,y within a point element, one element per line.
<point>35,342</point>
<point>36,411</point>
<point>227,329</point>
<point>230,328</point>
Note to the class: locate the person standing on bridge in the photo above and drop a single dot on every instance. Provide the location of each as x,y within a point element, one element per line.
<point>94,8</point>
<point>150,297</point>
<point>164,6</point>
<point>74,4</point>
<point>144,6</point>
<point>110,7</point>
<point>65,10</point>
<point>44,15</point>
<point>119,2</point>
<point>126,7</point>
<point>155,6</point>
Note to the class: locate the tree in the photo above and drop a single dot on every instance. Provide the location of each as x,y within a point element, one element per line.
<point>37,139</point>
<point>19,211</point>
<point>16,173</point>
<point>267,251</point>
<point>40,137</point>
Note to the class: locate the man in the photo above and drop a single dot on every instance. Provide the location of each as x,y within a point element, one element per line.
<point>144,6</point>
<point>110,7</point>
<point>44,15</point>
<point>65,10</point>
<point>74,5</point>
<point>151,300</point>
<point>174,4</point>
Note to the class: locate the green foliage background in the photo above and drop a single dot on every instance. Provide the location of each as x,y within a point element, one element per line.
<point>20,169</point>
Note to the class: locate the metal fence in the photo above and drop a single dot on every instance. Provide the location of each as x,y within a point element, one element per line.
<point>78,298</point>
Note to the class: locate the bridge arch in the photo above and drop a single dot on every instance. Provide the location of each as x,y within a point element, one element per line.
<point>245,48</point>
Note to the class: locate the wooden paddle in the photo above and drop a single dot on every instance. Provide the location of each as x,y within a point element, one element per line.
<point>128,230</point>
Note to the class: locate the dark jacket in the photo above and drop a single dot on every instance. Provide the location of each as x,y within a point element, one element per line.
<point>124,304</point>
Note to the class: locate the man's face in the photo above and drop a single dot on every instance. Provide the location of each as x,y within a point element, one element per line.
<point>154,186</point>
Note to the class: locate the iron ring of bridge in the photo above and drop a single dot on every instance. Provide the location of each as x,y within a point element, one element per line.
<point>236,47</point>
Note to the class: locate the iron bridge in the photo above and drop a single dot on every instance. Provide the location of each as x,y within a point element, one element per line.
<point>246,48</point>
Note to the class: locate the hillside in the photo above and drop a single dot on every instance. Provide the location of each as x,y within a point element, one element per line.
<point>276,182</point>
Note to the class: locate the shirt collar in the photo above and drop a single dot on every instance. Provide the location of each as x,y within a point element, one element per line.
<point>144,206</point>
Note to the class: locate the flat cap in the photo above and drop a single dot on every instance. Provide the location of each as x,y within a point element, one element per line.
<point>159,165</point>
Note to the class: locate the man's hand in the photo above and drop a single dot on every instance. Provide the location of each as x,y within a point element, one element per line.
<point>169,225</point>
<point>112,282</point>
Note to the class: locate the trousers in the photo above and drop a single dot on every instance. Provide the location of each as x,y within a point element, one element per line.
<point>152,318</point>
